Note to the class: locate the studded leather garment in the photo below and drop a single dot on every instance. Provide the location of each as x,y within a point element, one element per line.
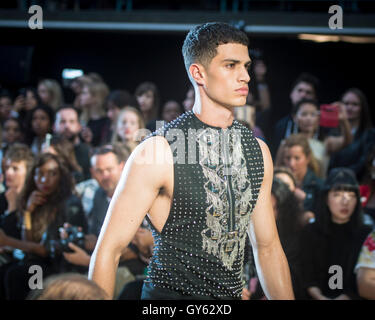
<point>217,177</point>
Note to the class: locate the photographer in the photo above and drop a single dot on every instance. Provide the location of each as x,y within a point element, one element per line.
<point>46,203</point>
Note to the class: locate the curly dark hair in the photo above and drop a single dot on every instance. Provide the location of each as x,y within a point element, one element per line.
<point>201,42</point>
<point>51,211</point>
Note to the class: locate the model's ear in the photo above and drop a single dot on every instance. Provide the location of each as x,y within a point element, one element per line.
<point>197,72</point>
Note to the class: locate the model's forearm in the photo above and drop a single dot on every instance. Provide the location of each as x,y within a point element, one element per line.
<point>103,266</point>
<point>274,273</point>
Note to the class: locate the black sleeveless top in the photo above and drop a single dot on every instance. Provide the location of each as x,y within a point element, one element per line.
<point>217,177</point>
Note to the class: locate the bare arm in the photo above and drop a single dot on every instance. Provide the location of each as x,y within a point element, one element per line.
<point>272,266</point>
<point>144,174</point>
<point>26,246</point>
<point>366,283</point>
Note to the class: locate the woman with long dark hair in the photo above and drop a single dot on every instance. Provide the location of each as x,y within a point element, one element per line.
<point>46,203</point>
<point>331,245</point>
<point>354,156</point>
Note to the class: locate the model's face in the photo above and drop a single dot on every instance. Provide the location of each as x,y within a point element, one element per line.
<point>47,177</point>
<point>225,80</point>
<point>342,205</point>
<point>353,106</point>
<point>128,124</point>
<point>15,174</point>
<point>40,123</point>
<point>302,90</point>
<point>107,171</point>
<point>171,111</point>
<point>67,123</point>
<point>146,101</point>
<point>297,161</point>
<point>307,118</point>
<point>11,131</point>
<point>44,94</point>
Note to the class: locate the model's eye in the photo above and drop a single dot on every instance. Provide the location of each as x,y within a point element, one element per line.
<point>230,65</point>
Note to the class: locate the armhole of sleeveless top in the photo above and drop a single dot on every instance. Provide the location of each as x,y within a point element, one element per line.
<point>169,213</point>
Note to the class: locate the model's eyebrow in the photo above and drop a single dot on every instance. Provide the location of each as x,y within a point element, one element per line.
<point>247,64</point>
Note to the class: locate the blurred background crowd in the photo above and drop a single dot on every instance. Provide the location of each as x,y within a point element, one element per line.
<point>65,140</point>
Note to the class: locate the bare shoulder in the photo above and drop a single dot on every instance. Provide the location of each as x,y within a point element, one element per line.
<point>267,159</point>
<point>151,160</point>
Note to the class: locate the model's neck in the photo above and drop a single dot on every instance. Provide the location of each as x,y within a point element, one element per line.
<point>213,114</point>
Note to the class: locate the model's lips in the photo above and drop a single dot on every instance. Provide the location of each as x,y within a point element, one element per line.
<point>345,211</point>
<point>243,90</point>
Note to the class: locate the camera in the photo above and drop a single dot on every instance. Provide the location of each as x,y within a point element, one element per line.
<point>75,236</point>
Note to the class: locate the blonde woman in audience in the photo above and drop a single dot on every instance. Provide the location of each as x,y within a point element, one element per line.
<point>93,116</point>
<point>295,153</point>
<point>130,127</point>
<point>50,93</point>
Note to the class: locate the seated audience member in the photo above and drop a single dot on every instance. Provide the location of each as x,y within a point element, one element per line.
<point>295,153</point>
<point>68,286</point>
<point>116,101</point>
<point>64,149</point>
<point>107,165</point>
<point>288,211</point>
<point>306,118</point>
<point>6,106</point>
<point>334,239</point>
<point>40,122</point>
<point>189,100</point>
<point>170,111</point>
<point>17,163</point>
<point>12,133</point>
<point>368,186</point>
<point>26,101</point>
<point>76,86</point>
<point>365,268</point>
<point>148,98</point>
<point>49,91</point>
<point>304,87</point>
<point>354,155</point>
<point>46,202</point>
<point>285,175</point>
<point>67,125</point>
<point>93,114</point>
<point>130,128</point>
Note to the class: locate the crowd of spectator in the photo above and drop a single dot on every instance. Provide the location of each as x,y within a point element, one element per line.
<point>61,162</point>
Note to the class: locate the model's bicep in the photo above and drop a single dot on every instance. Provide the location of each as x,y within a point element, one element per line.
<point>262,230</point>
<point>141,180</point>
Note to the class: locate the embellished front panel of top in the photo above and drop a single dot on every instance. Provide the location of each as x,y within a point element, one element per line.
<point>229,194</point>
